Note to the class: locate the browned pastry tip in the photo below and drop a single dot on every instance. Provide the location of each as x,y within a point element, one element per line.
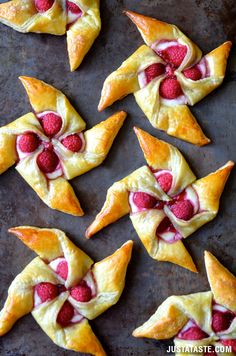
<point>222,282</point>
<point>154,150</point>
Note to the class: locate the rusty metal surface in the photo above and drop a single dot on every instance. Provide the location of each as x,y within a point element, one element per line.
<point>208,23</point>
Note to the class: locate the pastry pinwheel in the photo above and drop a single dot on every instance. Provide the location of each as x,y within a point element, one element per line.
<point>78,19</point>
<point>62,288</point>
<point>165,201</point>
<point>50,148</point>
<point>203,323</point>
<point>165,75</point>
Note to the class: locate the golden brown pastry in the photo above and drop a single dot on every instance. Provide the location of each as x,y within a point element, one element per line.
<point>62,288</point>
<point>202,324</point>
<point>165,201</point>
<point>78,19</point>
<point>50,148</point>
<point>166,75</point>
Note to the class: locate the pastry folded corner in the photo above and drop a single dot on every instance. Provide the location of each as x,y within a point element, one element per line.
<point>179,122</point>
<point>164,324</point>
<point>15,14</point>
<point>218,59</point>
<point>222,282</point>
<point>115,206</point>
<point>151,28</point>
<point>124,80</point>
<point>210,188</point>
<point>99,138</point>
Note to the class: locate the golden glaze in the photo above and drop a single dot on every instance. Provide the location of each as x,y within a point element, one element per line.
<point>98,141</point>
<point>172,315</point>
<point>50,244</point>
<point>177,120</point>
<point>162,156</point>
<point>22,16</point>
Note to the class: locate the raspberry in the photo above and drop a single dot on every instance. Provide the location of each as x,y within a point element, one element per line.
<point>28,142</point>
<point>144,200</point>
<point>47,161</point>
<point>51,124</point>
<point>170,88</point>
<point>221,321</point>
<point>174,55</point>
<point>193,333</point>
<point>46,291</point>
<point>182,209</point>
<point>164,225</point>
<point>43,5</point>
<point>65,314</point>
<point>62,270</point>
<point>211,351</point>
<point>72,143</point>
<point>72,7</point>
<point>193,73</point>
<point>231,343</point>
<point>81,292</point>
<point>165,181</point>
<point>154,70</point>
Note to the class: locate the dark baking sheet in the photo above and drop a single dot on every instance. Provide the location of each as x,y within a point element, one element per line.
<point>148,282</point>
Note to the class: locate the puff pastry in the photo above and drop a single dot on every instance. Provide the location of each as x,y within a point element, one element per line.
<point>201,323</point>
<point>166,75</point>
<point>78,19</point>
<point>50,148</point>
<point>62,288</point>
<point>165,201</point>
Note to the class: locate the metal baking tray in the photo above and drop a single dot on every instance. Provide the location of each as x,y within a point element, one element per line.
<point>148,283</point>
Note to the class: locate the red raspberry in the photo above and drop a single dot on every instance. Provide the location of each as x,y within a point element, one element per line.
<point>65,314</point>
<point>164,225</point>
<point>221,321</point>
<point>182,209</point>
<point>231,343</point>
<point>165,181</point>
<point>170,88</point>
<point>47,161</point>
<point>194,333</point>
<point>46,291</point>
<point>62,270</point>
<point>144,200</point>
<point>193,73</point>
<point>153,71</point>
<point>72,143</point>
<point>81,292</point>
<point>211,352</point>
<point>28,142</point>
<point>51,124</point>
<point>72,7</point>
<point>43,5</point>
<point>174,55</point>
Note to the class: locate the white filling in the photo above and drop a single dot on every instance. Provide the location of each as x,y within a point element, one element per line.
<point>77,318</point>
<point>71,17</point>
<point>161,46</point>
<point>219,308</point>
<point>57,173</point>
<point>54,264</point>
<point>167,236</point>
<point>142,79</point>
<point>40,115</point>
<point>37,299</point>
<point>191,195</point>
<point>89,279</point>
<point>189,325</point>
<point>180,100</point>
